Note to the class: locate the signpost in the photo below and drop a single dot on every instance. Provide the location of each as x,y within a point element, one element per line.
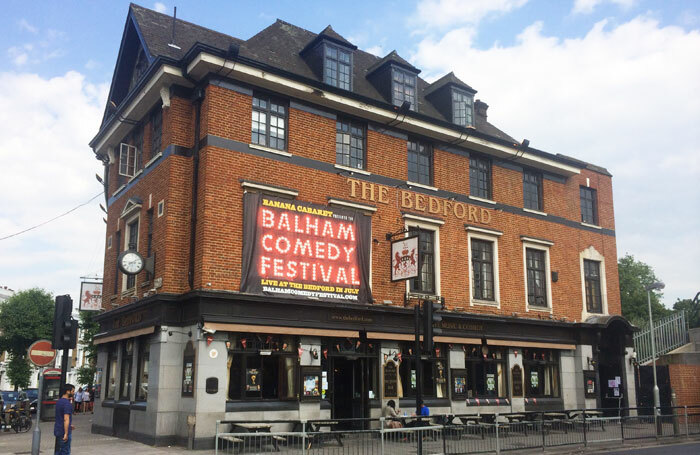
<point>40,354</point>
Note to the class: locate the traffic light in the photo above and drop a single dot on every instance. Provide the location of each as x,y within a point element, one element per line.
<point>65,329</point>
<point>429,318</point>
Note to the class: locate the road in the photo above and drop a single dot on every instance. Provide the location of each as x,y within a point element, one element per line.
<point>692,448</point>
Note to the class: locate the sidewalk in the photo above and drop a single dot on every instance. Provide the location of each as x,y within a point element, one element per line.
<point>84,442</point>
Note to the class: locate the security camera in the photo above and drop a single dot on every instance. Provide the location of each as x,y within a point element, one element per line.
<point>208,330</point>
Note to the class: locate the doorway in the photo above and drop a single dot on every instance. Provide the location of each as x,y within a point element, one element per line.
<point>350,398</point>
<point>613,386</point>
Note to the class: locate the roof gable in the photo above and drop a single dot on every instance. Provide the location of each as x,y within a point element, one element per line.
<point>132,47</point>
<point>392,58</point>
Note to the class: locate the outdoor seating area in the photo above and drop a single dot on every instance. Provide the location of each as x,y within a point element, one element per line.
<point>455,433</point>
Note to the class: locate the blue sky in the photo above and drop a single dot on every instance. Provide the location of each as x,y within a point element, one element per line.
<point>613,82</point>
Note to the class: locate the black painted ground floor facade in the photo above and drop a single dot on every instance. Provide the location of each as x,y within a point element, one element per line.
<point>218,355</point>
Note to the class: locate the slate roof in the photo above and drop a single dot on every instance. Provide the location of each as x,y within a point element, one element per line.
<point>394,57</point>
<point>448,78</point>
<point>279,45</point>
<point>156,29</point>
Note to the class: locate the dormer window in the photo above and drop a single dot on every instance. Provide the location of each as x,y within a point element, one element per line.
<point>462,108</point>
<point>337,67</point>
<point>403,88</point>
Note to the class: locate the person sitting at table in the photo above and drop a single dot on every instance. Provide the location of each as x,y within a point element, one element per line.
<point>392,414</point>
<point>424,410</point>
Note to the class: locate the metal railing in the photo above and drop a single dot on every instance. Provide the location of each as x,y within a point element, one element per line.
<point>456,434</point>
<point>670,333</point>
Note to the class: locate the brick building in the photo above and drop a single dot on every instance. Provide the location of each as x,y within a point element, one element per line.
<point>263,183</point>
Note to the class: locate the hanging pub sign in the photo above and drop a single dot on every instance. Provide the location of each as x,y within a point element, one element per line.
<point>90,296</point>
<point>298,249</point>
<point>404,258</point>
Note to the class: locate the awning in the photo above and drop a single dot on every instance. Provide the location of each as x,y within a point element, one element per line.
<point>121,336</point>
<point>226,327</point>
<point>530,344</point>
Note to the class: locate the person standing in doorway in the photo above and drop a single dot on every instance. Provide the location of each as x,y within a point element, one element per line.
<point>63,427</point>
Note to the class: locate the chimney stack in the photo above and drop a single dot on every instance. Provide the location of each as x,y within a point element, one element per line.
<point>481,108</point>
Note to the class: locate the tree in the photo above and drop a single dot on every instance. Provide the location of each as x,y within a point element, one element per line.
<point>24,318</point>
<point>88,330</point>
<point>634,277</point>
<point>692,310</point>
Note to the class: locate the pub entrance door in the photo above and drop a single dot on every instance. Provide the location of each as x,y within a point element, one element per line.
<point>613,383</point>
<point>349,399</point>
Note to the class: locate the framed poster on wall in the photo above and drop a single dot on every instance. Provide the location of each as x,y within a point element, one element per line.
<point>459,383</point>
<point>311,387</point>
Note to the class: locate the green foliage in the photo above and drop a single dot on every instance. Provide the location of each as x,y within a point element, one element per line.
<point>634,277</point>
<point>19,372</point>
<point>88,329</point>
<point>24,318</point>
<point>692,311</point>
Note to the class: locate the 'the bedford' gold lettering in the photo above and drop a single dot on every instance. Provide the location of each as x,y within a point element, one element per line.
<point>409,200</point>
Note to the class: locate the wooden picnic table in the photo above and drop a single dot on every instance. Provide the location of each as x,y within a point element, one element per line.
<point>515,417</point>
<point>316,427</point>
<point>260,428</point>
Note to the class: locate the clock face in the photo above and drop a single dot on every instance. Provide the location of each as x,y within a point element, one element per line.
<point>131,262</point>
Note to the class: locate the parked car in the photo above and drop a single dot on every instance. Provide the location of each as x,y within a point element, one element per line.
<point>11,397</point>
<point>33,396</point>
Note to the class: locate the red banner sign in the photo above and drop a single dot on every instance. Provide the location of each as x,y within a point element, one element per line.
<point>299,249</point>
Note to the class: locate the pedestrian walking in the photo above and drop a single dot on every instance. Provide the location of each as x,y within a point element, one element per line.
<point>63,426</point>
<point>92,399</point>
<point>78,400</point>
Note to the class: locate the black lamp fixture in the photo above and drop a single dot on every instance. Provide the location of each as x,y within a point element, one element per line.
<point>404,108</point>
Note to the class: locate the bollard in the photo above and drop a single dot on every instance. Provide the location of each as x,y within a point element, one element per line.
<point>676,428</point>
<point>191,421</point>
<point>685,412</point>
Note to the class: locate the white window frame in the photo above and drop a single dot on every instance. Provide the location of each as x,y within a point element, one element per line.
<point>161,207</point>
<point>592,254</point>
<point>543,246</point>
<point>129,149</point>
<point>429,225</point>
<point>493,238</point>
<point>127,238</point>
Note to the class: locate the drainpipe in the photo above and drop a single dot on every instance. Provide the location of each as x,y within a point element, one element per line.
<point>198,98</point>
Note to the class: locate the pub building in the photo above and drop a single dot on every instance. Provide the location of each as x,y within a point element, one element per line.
<point>278,205</point>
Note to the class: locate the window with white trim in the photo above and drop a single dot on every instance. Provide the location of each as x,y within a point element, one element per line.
<point>483,267</point>
<point>483,287</point>
<point>593,283</point>
<point>589,205</point>
<point>538,287</point>
<point>128,159</point>
<point>480,177</point>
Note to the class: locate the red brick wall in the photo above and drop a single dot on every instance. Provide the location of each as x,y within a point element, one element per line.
<point>685,381</point>
<point>219,212</point>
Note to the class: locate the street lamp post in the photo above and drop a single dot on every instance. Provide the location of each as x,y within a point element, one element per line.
<point>654,286</point>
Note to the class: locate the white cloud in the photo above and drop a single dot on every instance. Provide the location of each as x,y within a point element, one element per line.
<point>376,50</point>
<point>431,14</point>
<point>622,97</point>
<point>587,6</point>
<point>48,168</point>
<point>160,7</point>
<point>26,26</point>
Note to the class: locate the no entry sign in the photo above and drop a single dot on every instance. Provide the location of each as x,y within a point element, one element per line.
<point>41,354</point>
